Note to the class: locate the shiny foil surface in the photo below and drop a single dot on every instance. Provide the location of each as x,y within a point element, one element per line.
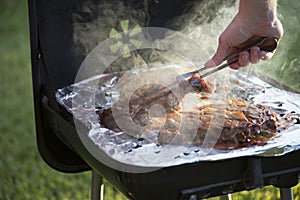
<point>85,98</point>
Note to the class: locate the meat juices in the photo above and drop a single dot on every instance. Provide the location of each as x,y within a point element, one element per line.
<point>244,124</point>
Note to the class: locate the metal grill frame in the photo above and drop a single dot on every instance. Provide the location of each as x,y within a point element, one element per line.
<point>61,147</point>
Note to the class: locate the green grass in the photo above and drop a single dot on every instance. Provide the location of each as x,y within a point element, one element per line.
<point>23,174</point>
<point>285,65</point>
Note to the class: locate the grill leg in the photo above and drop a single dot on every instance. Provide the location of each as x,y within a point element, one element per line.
<point>286,194</point>
<point>97,186</point>
<point>225,197</point>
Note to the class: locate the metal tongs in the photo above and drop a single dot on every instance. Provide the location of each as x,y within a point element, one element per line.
<point>267,44</point>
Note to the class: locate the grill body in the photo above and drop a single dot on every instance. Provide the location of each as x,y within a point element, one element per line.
<point>54,66</point>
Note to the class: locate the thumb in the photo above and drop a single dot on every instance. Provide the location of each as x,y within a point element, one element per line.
<point>231,37</point>
<point>219,56</point>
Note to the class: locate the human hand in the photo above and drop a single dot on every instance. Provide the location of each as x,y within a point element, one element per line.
<point>249,22</point>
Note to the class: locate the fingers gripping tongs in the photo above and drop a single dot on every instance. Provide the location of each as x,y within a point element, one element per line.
<point>267,44</point>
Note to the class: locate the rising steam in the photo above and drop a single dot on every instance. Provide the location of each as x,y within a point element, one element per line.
<point>202,21</point>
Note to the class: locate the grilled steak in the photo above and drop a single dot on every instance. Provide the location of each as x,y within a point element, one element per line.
<point>241,125</point>
<point>235,124</point>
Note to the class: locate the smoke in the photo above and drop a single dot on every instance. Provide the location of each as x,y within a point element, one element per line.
<point>94,22</point>
<point>205,20</point>
<point>202,21</point>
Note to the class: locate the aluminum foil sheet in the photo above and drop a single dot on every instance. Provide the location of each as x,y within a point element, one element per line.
<point>84,98</point>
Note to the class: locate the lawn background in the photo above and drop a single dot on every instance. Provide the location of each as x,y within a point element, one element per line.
<point>23,174</point>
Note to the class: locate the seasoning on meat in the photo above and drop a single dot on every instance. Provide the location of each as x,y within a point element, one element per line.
<point>199,84</point>
<point>244,124</point>
<point>251,125</point>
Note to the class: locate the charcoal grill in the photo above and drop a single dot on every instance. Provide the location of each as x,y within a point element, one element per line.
<point>55,66</point>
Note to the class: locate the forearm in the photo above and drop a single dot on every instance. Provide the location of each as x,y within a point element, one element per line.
<point>258,11</point>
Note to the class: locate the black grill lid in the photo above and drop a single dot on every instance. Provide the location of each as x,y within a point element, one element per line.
<point>55,66</point>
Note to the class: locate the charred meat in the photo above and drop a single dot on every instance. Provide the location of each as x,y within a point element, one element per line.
<point>241,124</point>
